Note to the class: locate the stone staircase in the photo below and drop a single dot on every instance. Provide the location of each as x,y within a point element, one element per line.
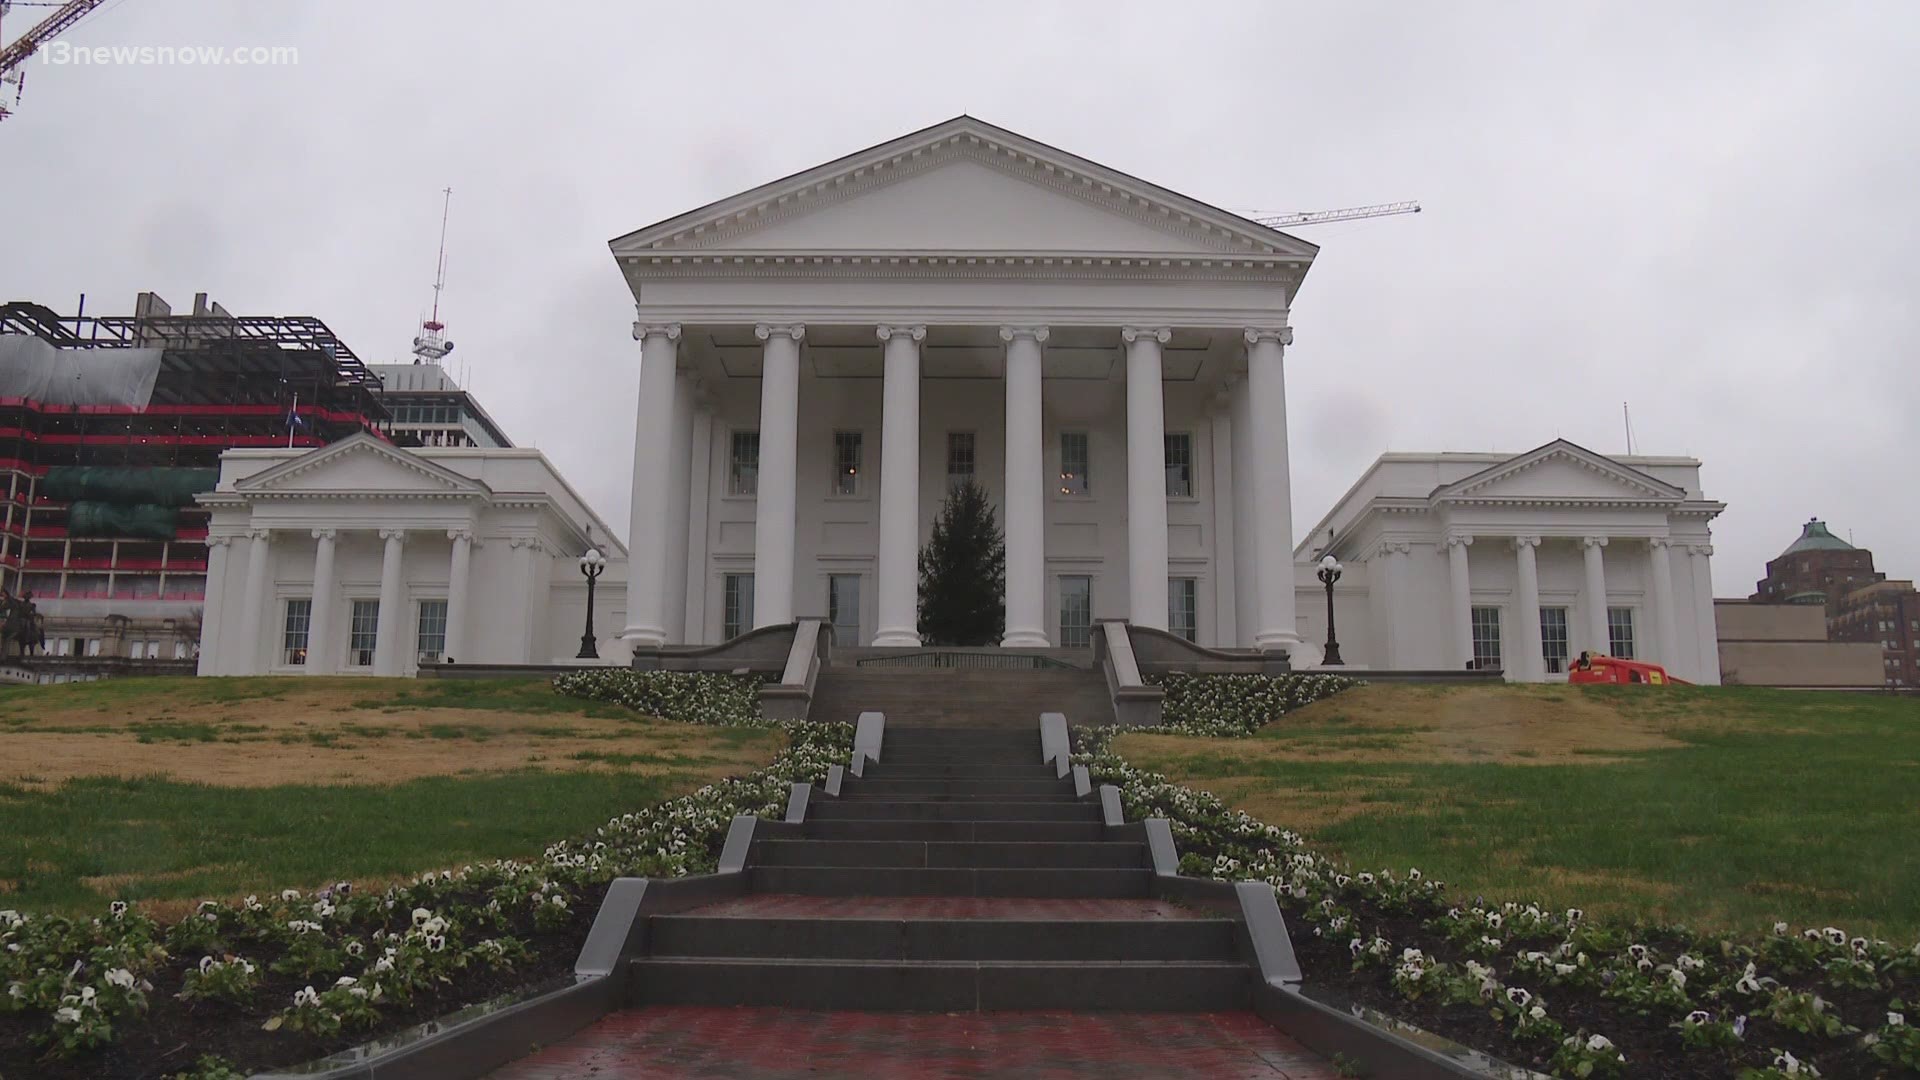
<point>957,875</point>
<point>947,697</point>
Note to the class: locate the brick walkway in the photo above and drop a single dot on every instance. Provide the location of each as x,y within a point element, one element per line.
<point>765,1044</point>
<point>779,906</point>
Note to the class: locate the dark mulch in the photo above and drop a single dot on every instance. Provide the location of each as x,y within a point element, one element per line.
<point>174,1033</point>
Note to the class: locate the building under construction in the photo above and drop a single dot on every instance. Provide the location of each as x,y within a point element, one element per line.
<point>109,425</point>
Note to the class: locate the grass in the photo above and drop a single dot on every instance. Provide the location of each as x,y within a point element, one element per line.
<point>89,841</point>
<point>1717,807</point>
<point>173,790</point>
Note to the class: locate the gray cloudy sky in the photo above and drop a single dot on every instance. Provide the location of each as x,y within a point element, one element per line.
<point>1706,209</point>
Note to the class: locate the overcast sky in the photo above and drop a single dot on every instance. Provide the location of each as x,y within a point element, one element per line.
<point>1707,210</point>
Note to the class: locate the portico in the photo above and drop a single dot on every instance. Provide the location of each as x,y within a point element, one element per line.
<point>962,303</point>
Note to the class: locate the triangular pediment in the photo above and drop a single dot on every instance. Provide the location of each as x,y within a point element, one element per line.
<point>964,186</point>
<point>1560,471</point>
<point>361,464</point>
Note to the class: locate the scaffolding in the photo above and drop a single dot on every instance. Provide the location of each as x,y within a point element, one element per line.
<point>222,382</point>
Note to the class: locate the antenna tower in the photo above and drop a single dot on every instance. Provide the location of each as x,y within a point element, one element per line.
<point>431,346</point>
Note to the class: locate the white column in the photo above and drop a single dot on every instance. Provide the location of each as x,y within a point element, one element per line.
<point>458,571</point>
<point>1533,665</point>
<point>1226,606</point>
<point>650,515</point>
<point>1272,487</point>
<point>520,620</point>
<point>1396,557</point>
<point>387,644</point>
<point>213,615</point>
<point>1705,629</point>
<point>779,466</point>
<point>1026,500</point>
<point>899,583</point>
<point>320,622</point>
<point>1596,594</point>
<point>1246,567</point>
<point>1146,478</point>
<point>1458,580</point>
<point>247,649</point>
<point>700,484</point>
<point>674,604</point>
<point>1660,555</point>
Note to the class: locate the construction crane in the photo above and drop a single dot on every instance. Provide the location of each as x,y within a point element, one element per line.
<point>13,57</point>
<point>1324,217</point>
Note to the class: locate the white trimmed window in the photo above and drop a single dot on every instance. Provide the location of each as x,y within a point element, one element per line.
<point>1620,632</point>
<point>843,608</point>
<point>846,462</point>
<point>1179,448</point>
<point>1553,639</point>
<point>430,640</point>
<point>1074,478</point>
<point>960,459</point>
<point>743,464</point>
<point>1076,611</point>
<point>363,628</point>
<point>1486,638</point>
<point>736,605</point>
<point>293,637</point>
<point>1183,607</point>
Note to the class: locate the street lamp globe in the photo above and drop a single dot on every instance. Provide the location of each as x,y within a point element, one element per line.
<point>592,561</point>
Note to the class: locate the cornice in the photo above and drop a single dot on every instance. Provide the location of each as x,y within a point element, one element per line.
<point>957,266</point>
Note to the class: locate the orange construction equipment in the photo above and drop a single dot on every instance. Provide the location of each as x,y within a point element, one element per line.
<point>1600,668</point>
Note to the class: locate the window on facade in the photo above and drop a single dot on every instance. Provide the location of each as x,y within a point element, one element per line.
<point>1183,607</point>
<point>1553,639</point>
<point>1179,466</point>
<point>430,640</point>
<point>363,627</point>
<point>1620,632</point>
<point>1073,463</point>
<point>1076,611</point>
<point>1486,638</point>
<point>843,608</point>
<point>743,464</point>
<point>846,463</point>
<point>93,646</point>
<point>293,638</point>
<point>959,457</point>
<point>736,605</point>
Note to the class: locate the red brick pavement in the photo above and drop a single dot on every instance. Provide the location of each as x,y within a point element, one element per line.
<point>767,1044</point>
<point>780,906</point>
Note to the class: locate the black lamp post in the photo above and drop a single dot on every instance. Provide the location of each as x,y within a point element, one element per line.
<point>1329,573</point>
<point>592,564</point>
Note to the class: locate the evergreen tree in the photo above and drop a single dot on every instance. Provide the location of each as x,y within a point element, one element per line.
<point>963,573</point>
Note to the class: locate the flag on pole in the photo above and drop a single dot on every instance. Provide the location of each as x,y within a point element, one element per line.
<point>294,420</point>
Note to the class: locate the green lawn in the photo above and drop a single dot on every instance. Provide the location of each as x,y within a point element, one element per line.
<point>1718,807</point>
<point>174,790</point>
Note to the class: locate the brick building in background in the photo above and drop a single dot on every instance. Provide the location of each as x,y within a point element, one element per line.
<point>1861,603</point>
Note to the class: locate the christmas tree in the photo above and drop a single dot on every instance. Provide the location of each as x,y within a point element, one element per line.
<point>963,572</point>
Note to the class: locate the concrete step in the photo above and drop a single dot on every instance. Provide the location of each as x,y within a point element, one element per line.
<point>950,881</point>
<point>889,769</point>
<point>953,986</point>
<point>918,853</point>
<point>943,939</point>
<point>929,830</point>
<point>1001,809</point>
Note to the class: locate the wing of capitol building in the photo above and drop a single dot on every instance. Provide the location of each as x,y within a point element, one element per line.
<point>822,357</point>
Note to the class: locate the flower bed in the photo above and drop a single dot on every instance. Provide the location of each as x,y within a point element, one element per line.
<point>689,697</point>
<point>1230,706</point>
<point>282,978</point>
<point>1550,989</point>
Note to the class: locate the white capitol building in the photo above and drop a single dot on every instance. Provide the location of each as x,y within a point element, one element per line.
<point>821,356</point>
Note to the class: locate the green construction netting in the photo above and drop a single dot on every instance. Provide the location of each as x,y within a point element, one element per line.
<point>152,486</point>
<point>141,521</point>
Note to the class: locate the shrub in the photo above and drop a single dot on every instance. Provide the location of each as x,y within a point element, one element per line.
<point>687,697</point>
